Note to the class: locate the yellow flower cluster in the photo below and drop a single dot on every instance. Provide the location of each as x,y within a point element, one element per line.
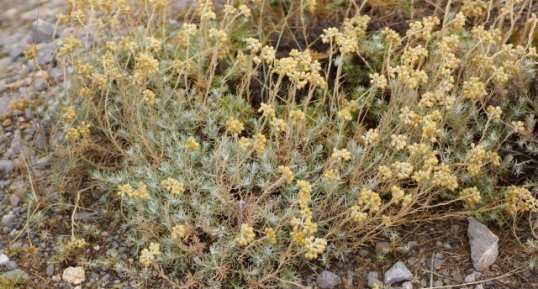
<point>297,116</point>
<point>234,126</point>
<point>371,136</point>
<point>304,228</point>
<point>246,236</point>
<point>352,30</point>
<point>149,97</point>
<point>384,172</point>
<point>519,127</point>
<point>75,244</point>
<point>370,200</point>
<point>494,112</point>
<point>149,255</point>
<point>267,110</point>
<point>391,37</point>
<point>205,10</point>
<point>477,156</point>
<point>219,35</point>
<point>30,51</point>
<point>271,235</point>
<point>70,45</point>
<point>287,173</point>
<point>192,145</point>
<point>399,142</point>
<point>173,186</point>
<point>331,175</point>
<point>127,190</point>
<point>474,88</point>
<point>188,30</point>
<point>378,81</point>
<point>69,113</point>
<point>314,247</point>
<point>76,133</point>
<point>474,8</point>
<point>443,177</point>
<point>402,169</point>
<point>178,232</point>
<point>357,216</point>
<point>397,194</point>
<point>422,29</point>
<point>349,107</point>
<point>409,117</point>
<point>300,68</point>
<point>260,141</point>
<point>386,220</point>
<point>145,65</point>
<point>341,155</point>
<point>244,143</point>
<point>471,196</point>
<point>278,124</point>
<point>520,200</point>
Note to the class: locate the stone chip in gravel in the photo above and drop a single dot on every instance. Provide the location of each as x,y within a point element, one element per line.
<point>3,259</point>
<point>74,275</point>
<point>398,273</point>
<point>328,280</point>
<point>373,279</point>
<point>484,245</point>
<point>6,166</point>
<point>8,219</point>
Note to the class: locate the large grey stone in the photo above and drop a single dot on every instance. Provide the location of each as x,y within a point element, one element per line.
<point>484,245</point>
<point>328,280</point>
<point>398,273</point>
<point>42,31</point>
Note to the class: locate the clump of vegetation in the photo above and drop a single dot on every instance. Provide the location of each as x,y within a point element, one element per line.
<point>236,155</point>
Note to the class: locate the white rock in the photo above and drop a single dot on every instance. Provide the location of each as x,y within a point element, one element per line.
<point>398,273</point>
<point>328,280</point>
<point>484,245</point>
<point>3,259</point>
<point>472,277</point>
<point>74,275</point>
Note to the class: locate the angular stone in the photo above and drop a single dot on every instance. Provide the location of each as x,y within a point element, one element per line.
<point>42,31</point>
<point>484,245</point>
<point>6,166</point>
<point>3,259</point>
<point>8,219</point>
<point>373,279</point>
<point>74,275</point>
<point>328,280</point>
<point>472,277</point>
<point>398,273</point>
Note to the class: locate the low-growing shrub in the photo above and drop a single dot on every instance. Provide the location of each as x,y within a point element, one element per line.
<point>235,160</point>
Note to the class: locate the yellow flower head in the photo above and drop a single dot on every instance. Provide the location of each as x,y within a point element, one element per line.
<point>174,186</point>
<point>234,126</point>
<point>192,145</point>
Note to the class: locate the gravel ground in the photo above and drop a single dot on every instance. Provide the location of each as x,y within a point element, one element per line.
<point>34,219</point>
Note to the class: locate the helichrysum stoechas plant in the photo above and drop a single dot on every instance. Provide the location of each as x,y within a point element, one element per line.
<point>240,152</point>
